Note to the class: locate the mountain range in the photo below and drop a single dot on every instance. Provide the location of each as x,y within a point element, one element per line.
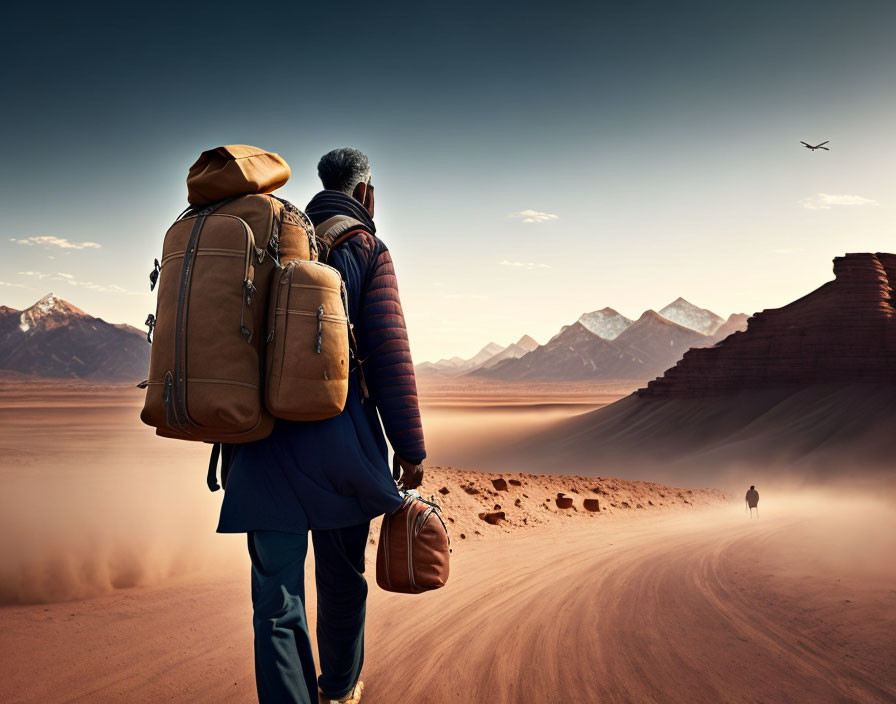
<point>56,339</point>
<point>602,344</point>
<point>487,357</point>
<point>805,391</point>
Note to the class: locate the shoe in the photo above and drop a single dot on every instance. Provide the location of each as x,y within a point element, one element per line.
<point>353,697</point>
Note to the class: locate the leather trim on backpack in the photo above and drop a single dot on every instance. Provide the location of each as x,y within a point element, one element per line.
<point>337,230</point>
<point>180,415</point>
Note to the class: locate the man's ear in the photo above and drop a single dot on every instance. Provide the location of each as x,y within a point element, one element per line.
<point>364,196</point>
<point>360,193</point>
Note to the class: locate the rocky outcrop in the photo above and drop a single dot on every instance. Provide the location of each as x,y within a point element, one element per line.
<point>493,517</point>
<point>843,332</point>
<point>563,501</point>
<point>807,391</point>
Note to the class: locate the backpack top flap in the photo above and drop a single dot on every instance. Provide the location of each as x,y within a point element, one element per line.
<point>234,170</point>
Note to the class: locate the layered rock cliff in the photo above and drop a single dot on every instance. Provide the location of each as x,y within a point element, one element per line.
<point>843,332</point>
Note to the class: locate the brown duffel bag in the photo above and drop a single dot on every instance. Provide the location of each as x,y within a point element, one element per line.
<point>414,548</point>
<point>218,260</point>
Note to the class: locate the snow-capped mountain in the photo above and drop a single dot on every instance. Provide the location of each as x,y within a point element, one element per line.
<point>54,338</point>
<point>657,342</point>
<point>602,344</point>
<point>48,313</point>
<point>644,349</point>
<point>690,316</point>
<point>573,353</point>
<point>605,323</point>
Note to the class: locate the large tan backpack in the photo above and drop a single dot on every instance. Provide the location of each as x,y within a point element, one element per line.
<point>208,333</point>
<point>249,325</point>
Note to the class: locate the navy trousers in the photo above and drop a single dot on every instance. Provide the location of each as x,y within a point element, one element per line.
<point>284,660</point>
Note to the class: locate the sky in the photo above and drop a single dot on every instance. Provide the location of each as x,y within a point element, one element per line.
<point>533,161</point>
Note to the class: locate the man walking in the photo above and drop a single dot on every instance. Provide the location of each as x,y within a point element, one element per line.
<point>752,499</point>
<point>329,477</point>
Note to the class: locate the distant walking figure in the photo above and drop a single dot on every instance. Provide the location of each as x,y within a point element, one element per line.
<point>752,499</point>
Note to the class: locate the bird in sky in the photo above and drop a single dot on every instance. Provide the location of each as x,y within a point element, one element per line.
<point>817,146</point>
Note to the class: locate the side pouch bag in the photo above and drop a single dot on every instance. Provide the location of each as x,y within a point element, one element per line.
<point>308,343</point>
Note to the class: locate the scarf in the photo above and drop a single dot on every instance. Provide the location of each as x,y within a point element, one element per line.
<point>326,204</point>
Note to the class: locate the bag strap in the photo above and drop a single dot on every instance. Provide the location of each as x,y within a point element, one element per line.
<point>331,233</point>
<point>212,477</point>
<point>224,451</point>
<point>337,230</point>
<point>192,210</point>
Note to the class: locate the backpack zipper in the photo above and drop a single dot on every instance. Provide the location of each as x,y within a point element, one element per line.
<point>248,285</point>
<point>272,313</point>
<point>320,327</point>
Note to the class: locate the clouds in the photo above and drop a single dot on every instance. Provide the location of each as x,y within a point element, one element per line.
<point>72,281</point>
<point>50,241</point>
<point>524,265</point>
<point>533,216</point>
<point>826,201</point>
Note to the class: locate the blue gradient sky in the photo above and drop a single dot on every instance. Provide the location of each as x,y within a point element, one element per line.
<point>663,136</point>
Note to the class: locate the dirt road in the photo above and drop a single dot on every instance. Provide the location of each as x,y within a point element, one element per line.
<point>689,610</point>
<point>707,607</point>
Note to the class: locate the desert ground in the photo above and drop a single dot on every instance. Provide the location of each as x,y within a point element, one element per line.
<point>114,587</point>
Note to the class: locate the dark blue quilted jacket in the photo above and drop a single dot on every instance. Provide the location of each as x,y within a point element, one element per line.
<point>335,472</point>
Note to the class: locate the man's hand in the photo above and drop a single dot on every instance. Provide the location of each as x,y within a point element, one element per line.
<point>411,473</point>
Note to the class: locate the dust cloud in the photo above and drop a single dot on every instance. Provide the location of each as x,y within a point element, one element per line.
<point>94,529</point>
<point>92,501</point>
<point>836,531</point>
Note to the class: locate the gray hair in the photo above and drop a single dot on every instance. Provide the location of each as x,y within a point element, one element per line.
<point>343,169</point>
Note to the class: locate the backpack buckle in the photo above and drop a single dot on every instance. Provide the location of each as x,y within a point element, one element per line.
<point>151,324</point>
<point>154,275</point>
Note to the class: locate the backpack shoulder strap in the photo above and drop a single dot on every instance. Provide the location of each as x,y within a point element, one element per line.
<point>330,234</point>
<point>338,229</point>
